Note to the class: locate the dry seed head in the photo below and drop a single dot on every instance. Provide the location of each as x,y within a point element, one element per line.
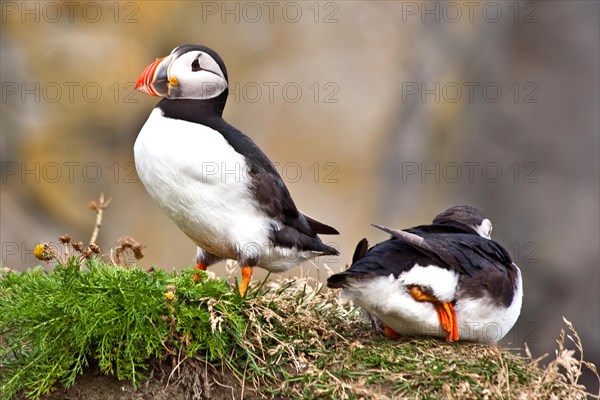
<point>64,239</point>
<point>77,245</point>
<point>127,243</point>
<point>137,251</point>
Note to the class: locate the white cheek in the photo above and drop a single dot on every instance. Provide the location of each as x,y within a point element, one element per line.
<point>485,229</point>
<point>201,85</point>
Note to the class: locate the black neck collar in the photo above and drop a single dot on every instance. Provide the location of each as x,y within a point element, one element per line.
<point>192,110</point>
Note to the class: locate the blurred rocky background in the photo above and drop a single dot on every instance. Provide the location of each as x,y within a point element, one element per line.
<point>374,112</point>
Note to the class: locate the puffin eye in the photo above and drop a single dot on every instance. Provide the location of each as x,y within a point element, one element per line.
<point>196,65</point>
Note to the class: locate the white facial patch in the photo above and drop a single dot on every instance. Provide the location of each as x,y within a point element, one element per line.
<point>198,76</point>
<point>441,281</point>
<point>484,229</point>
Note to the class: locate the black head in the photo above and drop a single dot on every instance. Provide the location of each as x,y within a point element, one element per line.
<point>466,217</point>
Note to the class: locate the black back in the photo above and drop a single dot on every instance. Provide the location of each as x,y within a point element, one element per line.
<point>483,264</point>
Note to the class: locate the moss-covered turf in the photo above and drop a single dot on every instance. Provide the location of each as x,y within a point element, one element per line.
<point>286,338</point>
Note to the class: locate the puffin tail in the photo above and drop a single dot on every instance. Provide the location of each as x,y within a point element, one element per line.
<point>319,227</point>
<point>340,280</point>
<point>337,281</point>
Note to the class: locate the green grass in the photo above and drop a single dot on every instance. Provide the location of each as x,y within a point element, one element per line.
<point>286,339</point>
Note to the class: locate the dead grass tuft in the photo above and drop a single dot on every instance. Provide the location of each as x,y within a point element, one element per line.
<point>307,342</point>
<point>296,340</point>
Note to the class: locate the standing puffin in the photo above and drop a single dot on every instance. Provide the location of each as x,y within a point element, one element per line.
<point>445,279</point>
<point>212,180</point>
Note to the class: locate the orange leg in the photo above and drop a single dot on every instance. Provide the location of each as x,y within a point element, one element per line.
<point>389,332</point>
<point>445,312</point>
<point>200,267</point>
<point>246,275</point>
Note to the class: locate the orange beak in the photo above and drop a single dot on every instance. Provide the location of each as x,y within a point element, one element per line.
<point>445,312</point>
<point>154,80</point>
<point>447,318</point>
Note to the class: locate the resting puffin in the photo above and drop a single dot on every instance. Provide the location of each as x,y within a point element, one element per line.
<point>445,279</point>
<point>211,179</point>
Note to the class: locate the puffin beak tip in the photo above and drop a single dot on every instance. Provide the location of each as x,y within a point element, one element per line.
<point>153,74</point>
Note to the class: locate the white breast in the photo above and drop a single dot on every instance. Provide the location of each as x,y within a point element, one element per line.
<point>202,183</point>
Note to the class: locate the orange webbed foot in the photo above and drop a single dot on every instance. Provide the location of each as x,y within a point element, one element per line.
<point>200,267</point>
<point>390,333</point>
<point>246,275</point>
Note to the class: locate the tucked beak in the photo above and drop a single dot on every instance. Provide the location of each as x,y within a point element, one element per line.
<point>154,80</point>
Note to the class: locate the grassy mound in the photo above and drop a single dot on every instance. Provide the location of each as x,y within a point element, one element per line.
<point>286,339</point>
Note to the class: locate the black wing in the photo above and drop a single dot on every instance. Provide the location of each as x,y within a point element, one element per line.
<point>275,200</point>
<point>465,253</point>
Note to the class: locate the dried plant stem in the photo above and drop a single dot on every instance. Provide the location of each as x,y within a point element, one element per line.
<point>97,226</point>
<point>99,208</point>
